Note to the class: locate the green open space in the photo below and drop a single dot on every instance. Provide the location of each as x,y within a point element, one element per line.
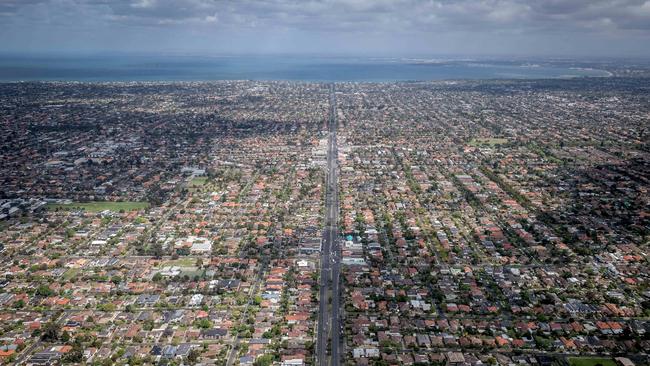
<point>71,273</point>
<point>99,206</point>
<point>181,262</point>
<point>488,141</point>
<point>591,361</point>
<point>198,181</point>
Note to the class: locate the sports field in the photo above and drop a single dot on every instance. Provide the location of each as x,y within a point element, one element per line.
<point>99,206</point>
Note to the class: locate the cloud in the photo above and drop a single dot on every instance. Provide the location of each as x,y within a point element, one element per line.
<point>412,14</point>
<point>342,20</point>
<point>10,7</point>
<point>329,14</point>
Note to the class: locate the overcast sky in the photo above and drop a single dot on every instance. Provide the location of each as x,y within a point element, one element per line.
<point>370,27</point>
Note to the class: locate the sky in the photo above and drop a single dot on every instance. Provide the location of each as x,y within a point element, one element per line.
<point>553,28</point>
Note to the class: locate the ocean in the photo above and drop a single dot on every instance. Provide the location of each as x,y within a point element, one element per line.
<point>317,69</point>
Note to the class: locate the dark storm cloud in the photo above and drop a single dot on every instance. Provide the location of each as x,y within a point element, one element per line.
<point>429,22</point>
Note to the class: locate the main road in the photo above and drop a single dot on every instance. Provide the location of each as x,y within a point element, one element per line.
<point>329,328</point>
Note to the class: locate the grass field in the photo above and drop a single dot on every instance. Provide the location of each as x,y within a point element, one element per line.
<point>489,141</point>
<point>99,206</point>
<point>590,361</point>
<point>71,273</point>
<point>181,262</point>
<point>198,181</point>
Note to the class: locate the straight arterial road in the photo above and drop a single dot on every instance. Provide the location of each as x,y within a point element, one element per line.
<point>329,329</point>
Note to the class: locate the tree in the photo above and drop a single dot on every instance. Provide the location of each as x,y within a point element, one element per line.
<point>76,354</point>
<point>203,323</point>
<point>257,300</point>
<point>65,337</point>
<point>157,250</point>
<point>264,360</point>
<point>148,325</point>
<point>51,332</point>
<point>193,356</point>
<point>44,290</point>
